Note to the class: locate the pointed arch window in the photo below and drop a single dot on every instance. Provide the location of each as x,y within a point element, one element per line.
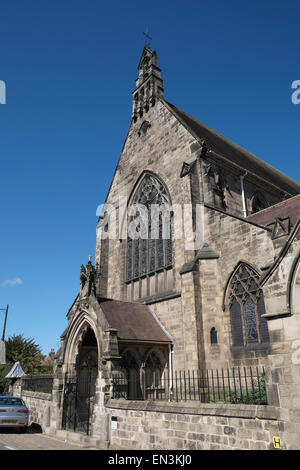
<point>149,245</point>
<point>213,336</point>
<point>154,382</point>
<point>246,305</point>
<point>131,369</point>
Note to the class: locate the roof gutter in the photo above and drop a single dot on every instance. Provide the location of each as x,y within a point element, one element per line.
<point>250,173</point>
<point>161,326</point>
<point>146,341</point>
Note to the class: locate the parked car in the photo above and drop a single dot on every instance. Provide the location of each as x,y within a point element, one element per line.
<point>13,413</point>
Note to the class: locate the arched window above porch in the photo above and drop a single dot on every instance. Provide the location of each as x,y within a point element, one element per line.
<point>149,243</point>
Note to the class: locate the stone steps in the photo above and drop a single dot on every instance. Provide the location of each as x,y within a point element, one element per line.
<point>83,440</point>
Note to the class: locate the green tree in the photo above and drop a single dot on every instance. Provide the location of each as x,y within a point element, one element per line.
<point>4,383</point>
<point>26,351</point>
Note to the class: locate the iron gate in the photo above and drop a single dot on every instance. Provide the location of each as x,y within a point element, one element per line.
<point>78,403</point>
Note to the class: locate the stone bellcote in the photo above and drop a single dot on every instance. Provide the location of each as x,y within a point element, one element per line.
<point>148,85</point>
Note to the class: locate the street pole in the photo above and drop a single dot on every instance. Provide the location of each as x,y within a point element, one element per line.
<point>4,327</point>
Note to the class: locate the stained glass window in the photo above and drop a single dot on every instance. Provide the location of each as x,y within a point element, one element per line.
<point>144,256</point>
<point>129,258</point>
<point>236,323</point>
<point>250,321</point>
<point>136,257</point>
<point>246,304</point>
<point>152,249</point>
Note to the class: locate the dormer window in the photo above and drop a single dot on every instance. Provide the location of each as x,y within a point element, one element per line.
<point>258,202</point>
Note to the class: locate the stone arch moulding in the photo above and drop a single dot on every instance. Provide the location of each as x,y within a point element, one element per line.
<point>139,182</point>
<point>293,292</point>
<point>231,276</point>
<point>75,337</point>
<point>159,352</point>
<point>130,351</point>
<point>136,188</point>
<point>144,128</point>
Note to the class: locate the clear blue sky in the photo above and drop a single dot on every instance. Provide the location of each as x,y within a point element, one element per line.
<point>69,68</point>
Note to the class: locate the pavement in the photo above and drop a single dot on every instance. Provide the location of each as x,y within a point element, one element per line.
<point>11,439</point>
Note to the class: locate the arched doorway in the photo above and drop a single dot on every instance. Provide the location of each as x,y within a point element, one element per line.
<point>79,390</point>
<point>87,357</point>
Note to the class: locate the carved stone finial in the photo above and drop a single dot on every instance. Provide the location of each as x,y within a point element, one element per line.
<point>203,149</point>
<point>87,279</point>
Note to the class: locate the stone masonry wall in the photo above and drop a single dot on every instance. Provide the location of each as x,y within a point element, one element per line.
<point>162,151</point>
<point>39,405</point>
<point>185,425</point>
<point>192,426</point>
<point>234,241</point>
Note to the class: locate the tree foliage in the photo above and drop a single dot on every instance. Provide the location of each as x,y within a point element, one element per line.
<point>27,352</point>
<point>4,383</point>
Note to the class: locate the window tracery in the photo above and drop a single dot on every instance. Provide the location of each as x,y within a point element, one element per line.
<point>246,305</point>
<point>151,247</point>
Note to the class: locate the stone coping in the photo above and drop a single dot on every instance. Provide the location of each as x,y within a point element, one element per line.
<point>196,408</point>
<point>38,395</point>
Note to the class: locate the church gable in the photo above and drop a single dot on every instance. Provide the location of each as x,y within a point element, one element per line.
<point>160,144</point>
<point>161,152</point>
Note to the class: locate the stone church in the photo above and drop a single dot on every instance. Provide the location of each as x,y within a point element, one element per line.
<point>161,304</point>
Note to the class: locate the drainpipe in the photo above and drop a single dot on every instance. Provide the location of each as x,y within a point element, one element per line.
<point>170,371</point>
<point>243,194</point>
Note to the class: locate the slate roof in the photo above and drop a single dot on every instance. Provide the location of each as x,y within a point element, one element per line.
<point>234,153</point>
<point>133,321</point>
<point>288,208</point>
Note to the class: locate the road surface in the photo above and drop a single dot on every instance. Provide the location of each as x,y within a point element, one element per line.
<point>11,439</point>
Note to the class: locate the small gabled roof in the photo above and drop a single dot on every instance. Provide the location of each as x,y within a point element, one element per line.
<point>133,321</point>
<point>234,153</point>
<point>16,372</point>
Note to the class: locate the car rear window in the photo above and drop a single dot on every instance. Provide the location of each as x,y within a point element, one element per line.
<point>10,401</point>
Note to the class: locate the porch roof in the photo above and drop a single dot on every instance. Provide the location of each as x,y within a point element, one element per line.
<point>134,321</point>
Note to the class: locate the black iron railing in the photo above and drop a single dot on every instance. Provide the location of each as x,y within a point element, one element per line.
<point>78,403</point>
<point>236,385</point>
<point>38,383</point>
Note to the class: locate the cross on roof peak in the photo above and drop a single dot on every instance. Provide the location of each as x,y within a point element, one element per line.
<point>148,38</point>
